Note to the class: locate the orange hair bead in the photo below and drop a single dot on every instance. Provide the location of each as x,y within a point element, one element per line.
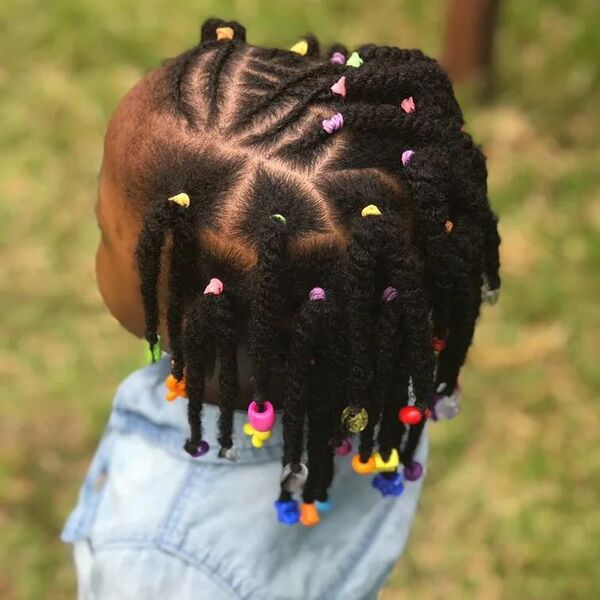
<point>363,468</point>
<point>175,388</point>
<point>309,516</point>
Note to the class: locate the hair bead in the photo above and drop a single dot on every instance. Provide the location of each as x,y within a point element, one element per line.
<point>333,123</point>
<point>414,471</point>
<point>214,287</point>
<point>389,294</point>
<point>300,48</point>
<point>287,511</point>
<point>197,452</point>
<point>407,156</point>
<point>279,218</point>
<point>438,344</point>
<point>154,351</point>
<point>339,87</point>
<point>408,105</point>
<point>182,199</point>
<point>370,211</point>
<point>317,294</point>
<point>175,389</point>
<point>293,477</point>
<point>355,420</point>
<point>337,58</point>
<point>389,486</point>
<point>410,415</point>
<point>448,226</point>
<point>224,33</point>
<point>355,60</point>
<point>363,468</point>
<point>309,515</point>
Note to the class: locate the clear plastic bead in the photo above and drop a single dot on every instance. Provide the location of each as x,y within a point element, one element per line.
<point>447,407</point>
<point>294,478</point>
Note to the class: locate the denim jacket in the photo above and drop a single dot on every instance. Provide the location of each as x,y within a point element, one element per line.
<point>154,523</point>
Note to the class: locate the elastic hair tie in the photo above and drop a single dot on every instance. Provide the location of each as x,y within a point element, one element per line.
<point>408,105</point>
<point>214,287</point>
<point>224,33</point>
<point>339,87</point>
<point>355,60</point>
<point>279,218</point>
<point>334,123</point>
<point>300,47</point>
<point>370,211</point>
<point>389,294</point>
<point>182,199</point>
<point>337,58</point>
<point>407,156</point>
<point>317,294</point>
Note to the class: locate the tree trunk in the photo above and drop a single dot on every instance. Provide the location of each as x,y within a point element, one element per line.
<point>469,48</point>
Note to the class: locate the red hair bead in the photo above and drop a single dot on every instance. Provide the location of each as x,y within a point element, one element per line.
<point>410,415</point>
<point>438,344</point>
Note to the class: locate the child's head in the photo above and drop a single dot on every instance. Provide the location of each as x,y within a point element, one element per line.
<point>331,209</point>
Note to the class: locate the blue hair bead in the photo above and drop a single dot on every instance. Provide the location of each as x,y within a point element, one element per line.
<point>324,506</point>
<point>288,512</point>
<point>392,486</point>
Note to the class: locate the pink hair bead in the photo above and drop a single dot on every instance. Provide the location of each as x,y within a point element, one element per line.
<point>407,156</point>
<point>261,421</point>
<point>408,105</point>
<point>214,287</point>
<point>337,58</point>
<point>317,294</point>
<point>339,87</point>
<point>344,448</point>
<point>389,294</point>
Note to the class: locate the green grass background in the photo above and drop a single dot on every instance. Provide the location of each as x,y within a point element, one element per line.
<point>511,505</point>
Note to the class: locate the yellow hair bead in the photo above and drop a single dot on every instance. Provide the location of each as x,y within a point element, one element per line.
<point>182,199</point>
<point>300,48</point>
<point>387,467</point>
<point>448,226</point>
<point>258,438</point>
<point>224,33</point>
<point>370,211</point>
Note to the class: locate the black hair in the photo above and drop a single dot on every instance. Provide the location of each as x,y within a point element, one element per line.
<point>373,195</point>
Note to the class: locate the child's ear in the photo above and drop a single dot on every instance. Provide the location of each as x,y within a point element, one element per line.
<point>216,29</point>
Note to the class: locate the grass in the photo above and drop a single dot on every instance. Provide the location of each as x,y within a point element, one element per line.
<point>510,509</point>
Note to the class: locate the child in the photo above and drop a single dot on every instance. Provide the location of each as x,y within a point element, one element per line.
<point>299,231</point>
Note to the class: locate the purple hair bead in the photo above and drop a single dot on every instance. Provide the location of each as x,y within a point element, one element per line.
<point>337,58</point>
<point>317,294</point>
<point>333,123</point>
<point>413,472</point>
<point>389,294</point>
<point>203,448</point>
<point>407,156</point>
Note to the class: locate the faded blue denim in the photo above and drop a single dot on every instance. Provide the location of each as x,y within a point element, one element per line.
<point>153,523</point>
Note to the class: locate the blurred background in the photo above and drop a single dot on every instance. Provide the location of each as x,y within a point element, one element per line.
<point>511,503</point>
